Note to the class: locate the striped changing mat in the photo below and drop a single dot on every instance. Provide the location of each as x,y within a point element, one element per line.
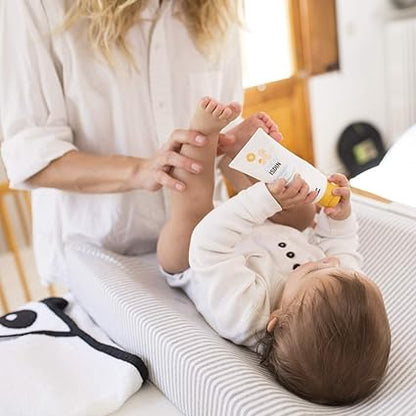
<point>204,375</point>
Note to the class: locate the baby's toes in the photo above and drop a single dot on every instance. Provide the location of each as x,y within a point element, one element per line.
<point>263,116</point>
<point>255,122</point>
<point>270,125</point>
<point>226,113</point>
<point>268,122</point>
<point>235,108</point>
<point>218,111</point>
<point>204,102</point>
<point>212,105</point>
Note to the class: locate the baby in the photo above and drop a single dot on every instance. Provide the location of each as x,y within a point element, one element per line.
<point>300,301</point>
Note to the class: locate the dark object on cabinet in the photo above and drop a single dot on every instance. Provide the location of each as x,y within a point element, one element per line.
<point>360,147</point>
<point>403,4</point>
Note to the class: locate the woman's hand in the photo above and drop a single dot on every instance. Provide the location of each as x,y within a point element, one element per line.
<point>154,173</point>
<point>342,210</point>
<point>292,194</point>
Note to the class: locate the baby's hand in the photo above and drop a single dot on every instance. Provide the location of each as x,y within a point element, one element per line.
<point>293,194</point>
<point>342,210</point>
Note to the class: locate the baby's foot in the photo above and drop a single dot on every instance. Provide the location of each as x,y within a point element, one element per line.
<point>211,116</point>
<point>247,128</point>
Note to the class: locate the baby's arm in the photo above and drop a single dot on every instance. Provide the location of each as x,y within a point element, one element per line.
<point>225,226</point>
<point>336,231</point>
<point>234,298</point>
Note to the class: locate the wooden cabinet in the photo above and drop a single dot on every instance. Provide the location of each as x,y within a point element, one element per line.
<point>314,50</point>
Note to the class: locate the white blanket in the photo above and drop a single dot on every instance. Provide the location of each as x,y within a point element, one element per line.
<point>54,360</point>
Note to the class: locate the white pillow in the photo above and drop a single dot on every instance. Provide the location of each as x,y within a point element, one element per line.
<point>394,178</point>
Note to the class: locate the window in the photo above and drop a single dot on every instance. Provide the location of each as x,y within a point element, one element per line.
<point>266,42</point>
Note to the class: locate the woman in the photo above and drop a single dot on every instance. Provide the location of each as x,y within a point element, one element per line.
<point>95,100</point>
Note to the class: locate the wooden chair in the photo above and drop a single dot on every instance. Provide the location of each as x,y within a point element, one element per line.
<point>19,202</point>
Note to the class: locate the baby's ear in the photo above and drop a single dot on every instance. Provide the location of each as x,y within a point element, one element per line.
<point>273,320</point>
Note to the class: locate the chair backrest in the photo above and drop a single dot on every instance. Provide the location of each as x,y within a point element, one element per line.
<point>15,229</point>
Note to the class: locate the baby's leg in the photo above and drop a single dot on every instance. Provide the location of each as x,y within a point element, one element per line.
<point>299,217</point>
<point>190,206</point>
<point>243,132</point>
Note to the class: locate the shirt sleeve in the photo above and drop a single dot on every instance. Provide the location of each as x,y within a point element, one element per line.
<point>340,239</point>
<point>233,298</point>
<point>32,105</point>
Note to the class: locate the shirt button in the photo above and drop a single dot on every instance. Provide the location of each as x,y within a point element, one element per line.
<point>283,245</point>
<point>160,104</point>
<point>295,266</point>
<point>290,254</point>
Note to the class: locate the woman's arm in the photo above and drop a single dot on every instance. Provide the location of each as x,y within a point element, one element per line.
<point>40,146</point>
<point>82,172</point>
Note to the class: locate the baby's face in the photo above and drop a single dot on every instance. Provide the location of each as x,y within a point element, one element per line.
<point>309,275</point>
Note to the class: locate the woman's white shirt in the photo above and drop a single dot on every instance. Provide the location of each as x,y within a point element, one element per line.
<point>57,95</point>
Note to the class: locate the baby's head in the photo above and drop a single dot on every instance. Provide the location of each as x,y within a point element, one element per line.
<point>329,341</point>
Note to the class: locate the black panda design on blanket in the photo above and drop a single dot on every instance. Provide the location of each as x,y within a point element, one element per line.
<point>55,360</point>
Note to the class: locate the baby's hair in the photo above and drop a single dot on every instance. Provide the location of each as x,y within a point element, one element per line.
<point>332,346</point>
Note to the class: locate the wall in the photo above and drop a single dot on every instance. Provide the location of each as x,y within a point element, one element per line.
<point>357,92</point>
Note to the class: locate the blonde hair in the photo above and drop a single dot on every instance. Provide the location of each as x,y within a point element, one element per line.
<point>207,21</point>
<point>332,349</point>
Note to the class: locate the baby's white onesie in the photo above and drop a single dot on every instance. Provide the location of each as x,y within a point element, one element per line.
<point>239,261</point>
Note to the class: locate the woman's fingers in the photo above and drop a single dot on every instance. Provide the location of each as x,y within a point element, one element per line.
<point>170,159</point>
<point>164,179</point>
<point>180,137</point>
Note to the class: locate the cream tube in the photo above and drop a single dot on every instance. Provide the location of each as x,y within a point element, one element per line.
<point>266,160</point>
